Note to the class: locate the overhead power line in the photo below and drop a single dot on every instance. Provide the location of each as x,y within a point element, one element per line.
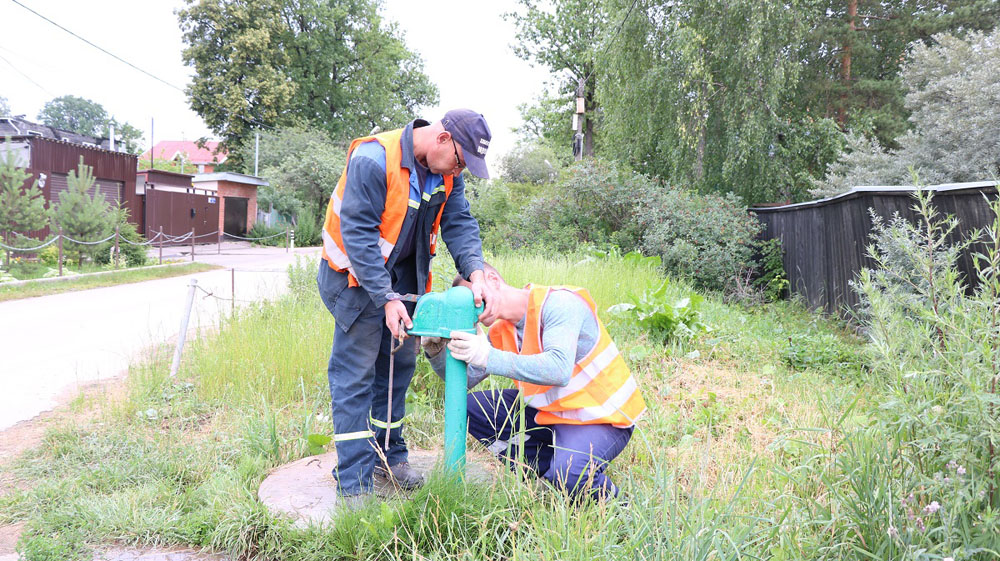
<point>613,37</point>
<point>98,47</point>
<point>26,77</point>
<point>250,121</point>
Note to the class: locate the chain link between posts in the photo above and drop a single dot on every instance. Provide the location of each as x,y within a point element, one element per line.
<point>166,238</point>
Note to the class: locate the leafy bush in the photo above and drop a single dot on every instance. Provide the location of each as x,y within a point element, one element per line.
<point>132,255</point>
<point>937,349</point>
<point>50,256</point>
<point>663,317</point>
<point>771,277</point>
<point>707,238</point>
<point>533,162</point>
<point>263,234</point>
<point>308,231</point>
<point>498,207</point>
<point>592,204</point>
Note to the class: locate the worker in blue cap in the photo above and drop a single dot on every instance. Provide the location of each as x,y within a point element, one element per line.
<point>398,190</point>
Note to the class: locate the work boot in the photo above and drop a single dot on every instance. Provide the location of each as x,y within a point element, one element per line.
<point>400,474</point>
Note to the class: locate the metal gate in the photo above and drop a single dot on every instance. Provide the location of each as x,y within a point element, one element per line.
<point>178,213</point>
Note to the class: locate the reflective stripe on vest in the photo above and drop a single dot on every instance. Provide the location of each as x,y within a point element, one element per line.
<point>397,201</point>
<point>601,389</point>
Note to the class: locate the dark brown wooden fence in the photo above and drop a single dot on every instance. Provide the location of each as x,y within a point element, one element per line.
<point>825,241</point>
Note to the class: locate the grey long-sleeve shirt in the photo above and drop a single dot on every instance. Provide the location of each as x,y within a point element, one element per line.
<point>569,332</point>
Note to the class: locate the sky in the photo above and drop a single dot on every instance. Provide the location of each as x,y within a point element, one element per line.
<point>465,47</point>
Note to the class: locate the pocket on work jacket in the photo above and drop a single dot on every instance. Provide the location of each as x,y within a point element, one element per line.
<point>345,302</point>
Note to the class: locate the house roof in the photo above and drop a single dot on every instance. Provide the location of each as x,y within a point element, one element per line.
<point>189,150</point>
<point>869,189</point>
<point>19,127</point>
<point>229,176</point>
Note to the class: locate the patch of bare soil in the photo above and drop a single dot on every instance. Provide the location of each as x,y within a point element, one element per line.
<point>737,416</point>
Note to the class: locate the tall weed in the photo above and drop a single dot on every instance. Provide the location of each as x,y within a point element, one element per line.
<point>936,349</point>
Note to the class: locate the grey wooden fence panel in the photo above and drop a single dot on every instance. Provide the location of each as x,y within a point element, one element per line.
<point>826,241</point>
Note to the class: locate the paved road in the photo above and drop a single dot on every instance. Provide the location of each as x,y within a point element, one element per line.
<point>50,345</point>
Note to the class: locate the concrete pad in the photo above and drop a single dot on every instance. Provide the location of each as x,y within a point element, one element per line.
<point>305,490</point>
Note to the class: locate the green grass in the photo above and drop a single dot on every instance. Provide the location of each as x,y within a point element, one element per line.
<point>46,288</point>
<point>728,462</point>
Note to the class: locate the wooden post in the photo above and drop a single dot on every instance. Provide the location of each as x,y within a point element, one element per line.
<point>192,245</point>
<point>60,251</point>
<point>117,230</point>
<point>161,245</point>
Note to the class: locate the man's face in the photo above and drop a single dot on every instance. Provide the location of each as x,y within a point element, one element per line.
<point>446,157</point>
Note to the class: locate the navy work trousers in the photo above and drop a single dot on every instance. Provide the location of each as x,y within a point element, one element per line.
<point>571,457</point>
<point>358,373</point>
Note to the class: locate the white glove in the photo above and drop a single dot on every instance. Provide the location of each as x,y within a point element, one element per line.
<point>474,350</point>
<point>432,345</point>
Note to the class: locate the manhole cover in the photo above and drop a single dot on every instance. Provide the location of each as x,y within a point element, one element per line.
<point>306,491</point>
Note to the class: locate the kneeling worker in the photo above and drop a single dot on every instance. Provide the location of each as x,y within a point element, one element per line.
<point>581,399</point>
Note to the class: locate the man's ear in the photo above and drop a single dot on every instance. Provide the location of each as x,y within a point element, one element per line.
<point>443,137</point>
<point>493,278</point>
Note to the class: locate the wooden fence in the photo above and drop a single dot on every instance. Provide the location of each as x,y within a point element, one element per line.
<point>825,241</point>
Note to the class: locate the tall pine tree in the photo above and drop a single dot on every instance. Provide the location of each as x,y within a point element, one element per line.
<point>854,51</point>
<point>82,213</point>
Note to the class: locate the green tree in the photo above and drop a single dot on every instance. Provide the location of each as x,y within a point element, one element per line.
<point>562,36</point>
<point>680,103</point>
<point>75,114</point>
<point>853,54</point>
<point>21,208</point>
<point>301,164</point>
<point>82,213</point>
<point>274,63</point>
<point>953,90</point>
<point>89,118</point>
<point>4,107</point>
<point>531,162</point>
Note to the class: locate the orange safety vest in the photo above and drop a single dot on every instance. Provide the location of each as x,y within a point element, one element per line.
<point>397,203</point>
<point>601,389</point>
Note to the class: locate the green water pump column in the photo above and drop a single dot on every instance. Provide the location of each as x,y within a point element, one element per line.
<point>437,315</point>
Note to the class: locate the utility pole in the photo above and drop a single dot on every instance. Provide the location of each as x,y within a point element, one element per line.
<point>578,122</point>
<point>256,152</point>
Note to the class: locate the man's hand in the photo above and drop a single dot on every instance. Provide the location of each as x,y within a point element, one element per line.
<point>433,345</point>
<point>395,312</point>
<point>483,292</point>
<point>474,350</point>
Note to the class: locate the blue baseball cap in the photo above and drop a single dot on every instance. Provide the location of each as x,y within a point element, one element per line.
<point>470,131</point>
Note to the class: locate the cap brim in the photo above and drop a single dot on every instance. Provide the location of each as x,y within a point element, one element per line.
<point>476,165</point>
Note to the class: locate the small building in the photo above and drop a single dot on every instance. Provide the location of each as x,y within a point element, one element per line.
<point>202,158</point>
<point>172,205</point>
<point>237,195</point>
<point>50,154</point>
